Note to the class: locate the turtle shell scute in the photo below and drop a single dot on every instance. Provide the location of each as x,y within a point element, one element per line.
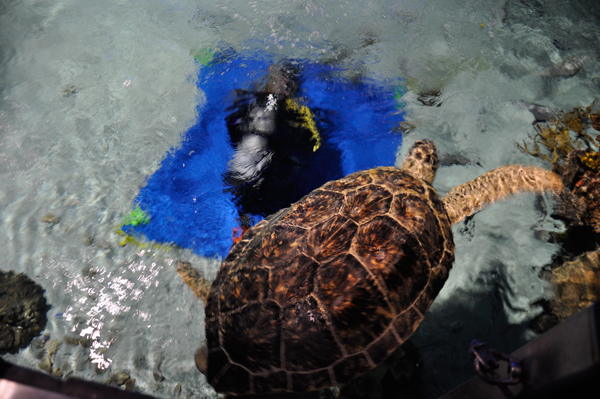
<point>314,209</point>
<point>355,304</point>
<point>248,285</point>
<point>251,336</point>
<point>294,282</point>
<point>276,247</point>
<point>329,238</point>
<point>402,182</point>
<point>366,202</point>
<point>349,182</point>
<point>307,319</point>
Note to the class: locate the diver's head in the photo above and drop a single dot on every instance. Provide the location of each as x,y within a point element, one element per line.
<point>282,80</point>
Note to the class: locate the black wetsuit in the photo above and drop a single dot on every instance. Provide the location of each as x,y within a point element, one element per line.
<point>273,148</point>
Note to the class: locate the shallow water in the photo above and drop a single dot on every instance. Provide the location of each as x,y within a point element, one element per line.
<point>93,95</point>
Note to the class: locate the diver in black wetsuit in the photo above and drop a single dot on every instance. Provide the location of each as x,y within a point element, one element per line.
<point>274,138</point>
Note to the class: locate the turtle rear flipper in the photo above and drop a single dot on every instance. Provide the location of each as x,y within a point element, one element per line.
<point>192,277</point>
<point>201,359</point>
<point>497,184</point>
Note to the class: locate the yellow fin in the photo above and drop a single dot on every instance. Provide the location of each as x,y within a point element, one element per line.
<point>308,121</point>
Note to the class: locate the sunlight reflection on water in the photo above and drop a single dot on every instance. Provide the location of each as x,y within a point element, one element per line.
<point>105,294</point>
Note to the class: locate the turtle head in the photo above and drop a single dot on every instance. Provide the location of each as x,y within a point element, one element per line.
<point>421,160</point>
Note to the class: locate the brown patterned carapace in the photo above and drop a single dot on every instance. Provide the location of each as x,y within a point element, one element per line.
<point>327,289</point>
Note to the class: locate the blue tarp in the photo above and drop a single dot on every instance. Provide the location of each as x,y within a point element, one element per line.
<point>185,197</point>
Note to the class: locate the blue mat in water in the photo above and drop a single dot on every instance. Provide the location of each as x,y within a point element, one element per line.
<point>186,198</point>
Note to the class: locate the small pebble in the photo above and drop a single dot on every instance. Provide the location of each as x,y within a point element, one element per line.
<point>88,239</point>
<point>130,384</point>
<point>158,377</point>
<point>45,364</point>
<point>565,69</point>
<point>69,91</point>
<point>50,218</point>
<point>177,389</point>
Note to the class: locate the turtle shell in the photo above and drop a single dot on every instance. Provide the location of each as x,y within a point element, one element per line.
<point>328,288</point>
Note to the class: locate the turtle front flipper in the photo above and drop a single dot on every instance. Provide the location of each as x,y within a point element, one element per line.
<point>199,285</point>
<point>497,184</point>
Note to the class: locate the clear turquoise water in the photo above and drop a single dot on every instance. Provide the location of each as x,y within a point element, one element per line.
<point>93,94</point>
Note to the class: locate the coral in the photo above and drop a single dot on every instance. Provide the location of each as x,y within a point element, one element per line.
<point>203,56</point>
<point>591,160</point>
<point>554,140</point>
<point>588,189</point>
<point>136,217</point>
<point>575,156</point>
<point>22,311</point>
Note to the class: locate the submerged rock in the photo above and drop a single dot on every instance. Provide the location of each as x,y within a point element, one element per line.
<point>405,127</point>
<point>576,285</point>
<point>566,69</point>
<point>430,98</point>
<point>22,311</point>
<point>541,113</point>
<point>456,159</point>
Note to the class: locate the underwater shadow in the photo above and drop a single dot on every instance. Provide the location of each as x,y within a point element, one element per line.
<point>446,333</point>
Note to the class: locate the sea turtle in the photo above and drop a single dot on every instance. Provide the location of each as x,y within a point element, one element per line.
<point>328,288</point>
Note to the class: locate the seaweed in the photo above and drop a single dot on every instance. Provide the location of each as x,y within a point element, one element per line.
<point>554,140</point>
<point>136,217</point>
